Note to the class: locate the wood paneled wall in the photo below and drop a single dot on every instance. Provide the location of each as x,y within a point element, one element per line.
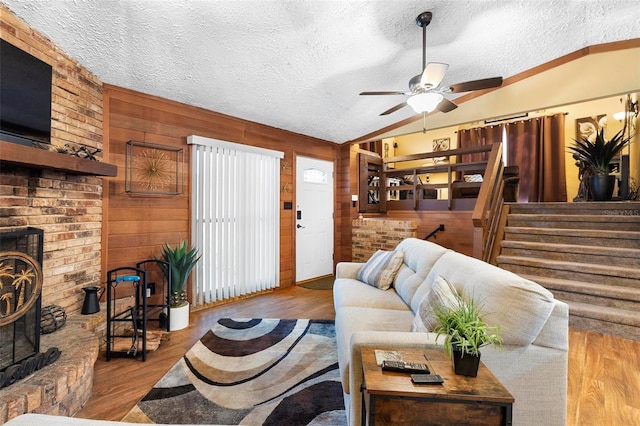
<point>136,226</point>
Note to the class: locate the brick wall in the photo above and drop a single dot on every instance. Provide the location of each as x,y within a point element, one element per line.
<point>67,207</point>
<point>370,235</point>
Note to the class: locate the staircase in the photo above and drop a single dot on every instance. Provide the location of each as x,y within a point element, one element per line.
<point>586,254</point>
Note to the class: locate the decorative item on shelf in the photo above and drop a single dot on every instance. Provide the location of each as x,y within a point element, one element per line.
<point>153,169</point>
<point>182,262</point>
<point>466,333</point>
<point>598,153</point>
<point>52,318</point>
<point>81,152</point>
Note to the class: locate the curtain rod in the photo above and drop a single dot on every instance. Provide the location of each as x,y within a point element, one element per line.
<point>516,117</point>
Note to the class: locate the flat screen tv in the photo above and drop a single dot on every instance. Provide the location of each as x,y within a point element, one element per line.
<point>25,97</point>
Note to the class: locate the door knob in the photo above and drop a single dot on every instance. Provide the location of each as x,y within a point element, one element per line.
<point>299,226</point>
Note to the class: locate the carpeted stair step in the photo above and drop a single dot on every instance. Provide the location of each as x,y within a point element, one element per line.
<point>587,254</point>
<point>573,221</point>
<point>614,208</point>
<point>607,320</point>
<point>626,239</point>
<point>603,274</point>
<point>591,293</point>
<point>598,255</point>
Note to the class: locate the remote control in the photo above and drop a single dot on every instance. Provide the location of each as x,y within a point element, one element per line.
<point>426,379</point>
<point>405,367</point>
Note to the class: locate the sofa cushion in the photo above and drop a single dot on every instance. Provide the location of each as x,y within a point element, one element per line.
<point>351,319</point>
<point>520,306</point>
<point>381,268</point>
<point>351,292</point>
<point>441,294</point>
<point>419,258</point>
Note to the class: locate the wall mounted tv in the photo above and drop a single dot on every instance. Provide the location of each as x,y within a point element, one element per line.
<point>25,97</point>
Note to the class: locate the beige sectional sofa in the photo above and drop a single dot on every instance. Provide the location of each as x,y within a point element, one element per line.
<point>532,364</point>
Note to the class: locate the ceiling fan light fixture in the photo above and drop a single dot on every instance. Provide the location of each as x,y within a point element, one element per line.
<point>424,102</point>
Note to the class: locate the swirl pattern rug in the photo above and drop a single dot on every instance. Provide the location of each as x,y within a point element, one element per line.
<point>252,372</point>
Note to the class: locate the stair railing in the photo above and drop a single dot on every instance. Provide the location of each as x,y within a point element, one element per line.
<point>488,210</point>
<point>434,232</point>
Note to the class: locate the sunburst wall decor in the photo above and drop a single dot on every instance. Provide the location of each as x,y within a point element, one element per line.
<point>153,169</point>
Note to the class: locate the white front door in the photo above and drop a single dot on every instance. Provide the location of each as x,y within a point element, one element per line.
<point>314,218</point>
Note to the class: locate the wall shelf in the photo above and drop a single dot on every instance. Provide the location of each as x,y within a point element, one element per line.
<point>35,158</point>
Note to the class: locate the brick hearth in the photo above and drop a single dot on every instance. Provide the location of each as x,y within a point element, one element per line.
<point>63,387</point>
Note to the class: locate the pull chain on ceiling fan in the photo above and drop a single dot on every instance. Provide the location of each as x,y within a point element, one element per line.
<point>426,95</point>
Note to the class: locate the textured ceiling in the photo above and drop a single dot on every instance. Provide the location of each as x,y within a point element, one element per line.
<point>300,64</point>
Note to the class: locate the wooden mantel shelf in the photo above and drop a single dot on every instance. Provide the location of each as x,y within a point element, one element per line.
<point>35,158</point>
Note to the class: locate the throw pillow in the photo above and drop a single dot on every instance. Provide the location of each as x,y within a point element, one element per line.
<point>441,294</point>
<point>381,268</point>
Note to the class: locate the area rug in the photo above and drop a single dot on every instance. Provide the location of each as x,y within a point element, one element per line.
<point>325,283</point>
<point>252,372</point>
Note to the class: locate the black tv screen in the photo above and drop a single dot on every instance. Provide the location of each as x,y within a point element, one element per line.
<point>25,97</point>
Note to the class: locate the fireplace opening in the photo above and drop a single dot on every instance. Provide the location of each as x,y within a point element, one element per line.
<point>21,254</point>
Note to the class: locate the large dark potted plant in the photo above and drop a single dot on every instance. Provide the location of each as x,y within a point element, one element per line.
<point>466,333</point>
<point>182,261</point>
<point>599,154</point>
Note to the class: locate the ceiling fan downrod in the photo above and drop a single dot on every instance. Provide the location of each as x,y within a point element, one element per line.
<point>423,20</point>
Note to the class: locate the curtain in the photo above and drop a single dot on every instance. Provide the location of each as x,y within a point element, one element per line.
<point>478,136</point>
<point>536,146</point>
<point>235,219</point>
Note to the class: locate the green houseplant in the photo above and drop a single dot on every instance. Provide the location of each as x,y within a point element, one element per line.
<point>181,260</point>
<point>599,154</point>
<point>466,333</point>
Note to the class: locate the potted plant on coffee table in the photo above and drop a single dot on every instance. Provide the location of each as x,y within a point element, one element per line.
<point>182,261</point>
<point>466,333</point>
<point>599,154</point>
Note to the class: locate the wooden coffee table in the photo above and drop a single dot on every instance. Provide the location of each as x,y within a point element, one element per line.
<point>392,399</point>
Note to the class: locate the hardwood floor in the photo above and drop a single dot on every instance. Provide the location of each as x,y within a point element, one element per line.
<point>603,385</point>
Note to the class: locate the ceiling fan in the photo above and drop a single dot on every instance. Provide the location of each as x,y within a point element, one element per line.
<point>426,93</point>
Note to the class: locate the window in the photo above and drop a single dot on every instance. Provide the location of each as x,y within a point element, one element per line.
<point>314,176</point>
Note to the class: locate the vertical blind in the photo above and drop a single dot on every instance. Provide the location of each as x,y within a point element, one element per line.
<point>235,219</point>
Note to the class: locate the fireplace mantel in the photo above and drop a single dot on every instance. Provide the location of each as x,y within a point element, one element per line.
<point>35,158</point>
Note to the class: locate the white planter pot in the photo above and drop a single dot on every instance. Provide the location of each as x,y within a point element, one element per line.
<point>179,318</point>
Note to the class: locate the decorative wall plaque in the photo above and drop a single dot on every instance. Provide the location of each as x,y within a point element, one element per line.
<point>154,169</point>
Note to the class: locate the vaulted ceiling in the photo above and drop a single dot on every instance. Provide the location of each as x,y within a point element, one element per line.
<point>300,65</point>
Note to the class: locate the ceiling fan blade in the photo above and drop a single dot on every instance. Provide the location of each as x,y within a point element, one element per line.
<point>395,108</point>
<point>433,74</point>
<point>446,105</point>
<point>384,93</point>
<point>485,83</point>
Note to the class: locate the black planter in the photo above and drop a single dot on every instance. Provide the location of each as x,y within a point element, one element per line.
<point>602,187</point>
<point>466,365</point>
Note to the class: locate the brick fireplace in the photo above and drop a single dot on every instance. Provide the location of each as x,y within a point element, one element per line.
<point>62,196</point>
<point>36,191</point>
